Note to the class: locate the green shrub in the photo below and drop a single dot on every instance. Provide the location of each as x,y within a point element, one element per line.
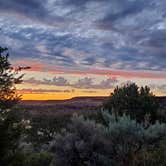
<point>44,128</point>
<point>32,159</point>
<point>154,154</point>
<point>86,143</point>
<point>128,139</point>
<point>133,101</point>
<point>81,144</point>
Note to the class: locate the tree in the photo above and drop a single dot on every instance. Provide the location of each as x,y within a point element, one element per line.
<point>11,128</point>
<point>10,121</point>
<point>134,101</point>
<point>8,79</point>
<point>81,144</point>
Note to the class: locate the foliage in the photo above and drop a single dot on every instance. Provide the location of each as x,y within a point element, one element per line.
<point>153,155</point>
<point>81,144</point>
<point>137,102</point>
<point>44,128</point>
<point>120,143</point>
<point>31,159</point>
<point>8,78</point>
<point>127,139</point>
<point>11,125</point>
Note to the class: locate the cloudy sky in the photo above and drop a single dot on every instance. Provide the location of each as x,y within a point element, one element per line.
<point>85,47</point>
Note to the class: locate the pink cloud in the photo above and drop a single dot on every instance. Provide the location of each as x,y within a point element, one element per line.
<point>51,69</point>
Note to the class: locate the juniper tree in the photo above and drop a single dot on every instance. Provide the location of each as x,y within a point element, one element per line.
<point>8,79</point>
<point>10,120</point>
<point>133,101</point>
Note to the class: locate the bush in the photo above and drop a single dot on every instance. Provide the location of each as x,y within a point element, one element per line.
<point>12,128</point>
<point>85,143</point>
<point>81,144</point>
<point>44,128</point>
<point>32,159</point>
<point>128,139</point>
<point>136,102</point>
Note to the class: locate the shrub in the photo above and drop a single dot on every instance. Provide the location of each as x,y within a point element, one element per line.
<point>81,144</point>
<point>32,159</point>
<point>119,143</point>
<point>44,128</point>
<point>127,139</point>
<point>133,101</point>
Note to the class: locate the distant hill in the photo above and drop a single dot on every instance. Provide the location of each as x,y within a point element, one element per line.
<point>99,99</point>
<point>76,104</point>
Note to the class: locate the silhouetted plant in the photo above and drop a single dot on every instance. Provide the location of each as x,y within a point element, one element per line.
<point>134,101</point>
<point>10,121</point>
<point>8,79</point>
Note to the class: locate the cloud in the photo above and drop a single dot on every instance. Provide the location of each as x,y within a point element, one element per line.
<point>89,91</point>
<point>51,69</point>
<point>110,34</point>
<point>43,91</point>
<point>84,83</point>
<point>122,9</point>
<point>160,88</point>
<point>88,83</point>
<point>34,10</point>
<point>56,81</point>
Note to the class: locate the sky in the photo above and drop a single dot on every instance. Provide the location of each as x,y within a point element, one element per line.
<point>85,47</point>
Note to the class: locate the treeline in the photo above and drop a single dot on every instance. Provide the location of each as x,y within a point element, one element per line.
<point>130,130</point>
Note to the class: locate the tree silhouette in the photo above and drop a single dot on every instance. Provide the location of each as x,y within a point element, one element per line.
<point>10,120</point>
<point>9,77</point>
<point>137,102</point>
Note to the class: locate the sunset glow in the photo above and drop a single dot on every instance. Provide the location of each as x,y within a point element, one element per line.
<point>85,48</point>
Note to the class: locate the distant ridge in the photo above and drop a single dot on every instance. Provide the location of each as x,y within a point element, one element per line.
<point>89,97</point>
<point>74,98</point>
<point>69,106</point>
<point>163,98</point>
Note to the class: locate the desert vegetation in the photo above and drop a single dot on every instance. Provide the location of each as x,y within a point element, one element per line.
<point>128,129</point>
